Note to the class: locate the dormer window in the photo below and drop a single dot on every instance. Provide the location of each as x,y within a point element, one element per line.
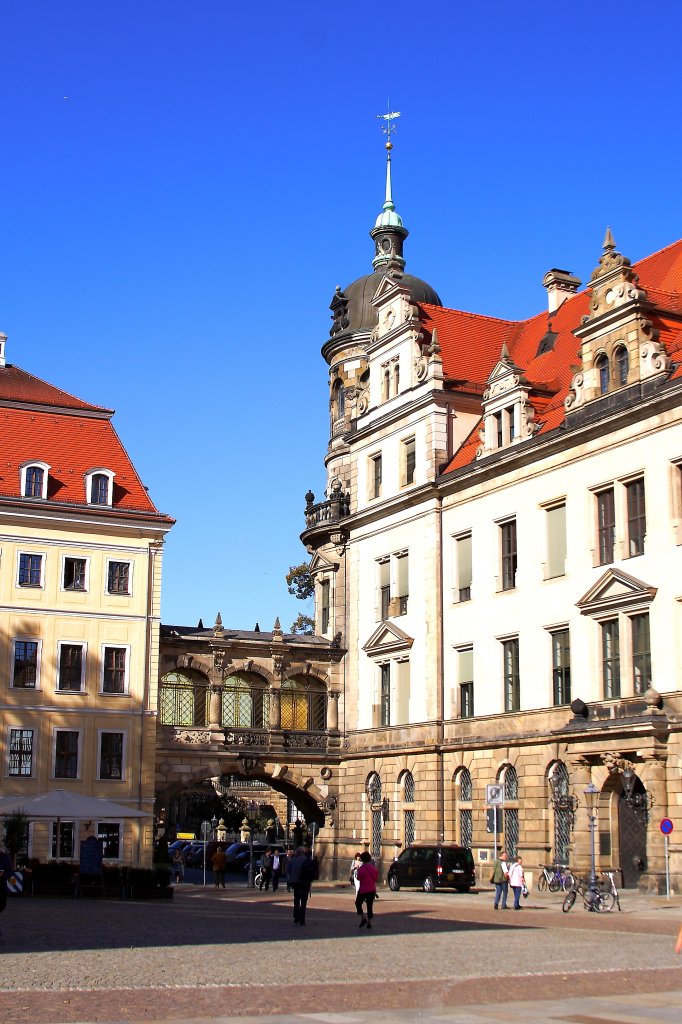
<point>508,414</point>
<point>602,365</point>
<point>99,486</point>
<point>34,479</point>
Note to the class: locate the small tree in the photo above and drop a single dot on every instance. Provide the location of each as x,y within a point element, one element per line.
<point>303,625</point>
<point>16,825</point>
<point>299,581</point>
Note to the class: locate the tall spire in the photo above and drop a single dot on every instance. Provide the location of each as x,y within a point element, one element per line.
<point>389,231</point>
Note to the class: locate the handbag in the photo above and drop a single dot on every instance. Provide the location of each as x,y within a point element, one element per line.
<point>524,890</point>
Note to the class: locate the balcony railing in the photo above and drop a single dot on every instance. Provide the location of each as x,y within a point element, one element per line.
<point>336,507</point>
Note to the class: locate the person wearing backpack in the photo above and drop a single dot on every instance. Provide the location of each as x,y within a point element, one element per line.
<point>500,879</point>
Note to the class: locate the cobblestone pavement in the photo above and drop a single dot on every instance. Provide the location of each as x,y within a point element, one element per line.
<point>209,955</point>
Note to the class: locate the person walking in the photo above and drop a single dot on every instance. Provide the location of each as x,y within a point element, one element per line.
<point>178,866</point>
<point>266,870</point>
<point>277,868</point>
<point>287,862</point>
<point>219,864</point>
<point>500,879</point>
<point>517,881</point>
<point>367,889</point>
<point>300,877</point>
<point>355,866</point>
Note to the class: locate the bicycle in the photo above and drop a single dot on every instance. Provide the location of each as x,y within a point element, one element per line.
<point>609,890</point>
<point>599,900</point>
<point>554,878</point>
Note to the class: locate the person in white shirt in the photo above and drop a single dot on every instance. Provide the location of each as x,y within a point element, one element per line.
<point>517,881</point>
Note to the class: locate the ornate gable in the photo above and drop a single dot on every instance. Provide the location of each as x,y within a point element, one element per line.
<point>387,638</point>
<point>319,564</point>
<point>508,416</point>
<point>615,590</point>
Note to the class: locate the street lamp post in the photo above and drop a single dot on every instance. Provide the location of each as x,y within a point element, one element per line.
<point>251,806</point>
<point>591,797</point>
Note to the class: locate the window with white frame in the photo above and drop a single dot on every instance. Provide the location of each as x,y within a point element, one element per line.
<point>512,677</point>
<point>620,511</point>
<point>111,752</point>
<point>508,554</point>
<point>34,478</point>
<point>71,666</point>
<point>99,487</point>
<point>115,669</point>
<point>463,568</point>
<point>626,660</point>
<point>561,666</point>
<point>375,475</point>
<point>75,573</point>
<point>465,677</point>
<point>324,605</point>
<point>20,753</point>
<point>63,845</point>
<point>119,577</point>
<point>555,518</point>
<point>385,693</point>
<point>30,569</point>
<point>409,461</point>
<point>109,833</point>
<point>393,585</point>
<point>66,753</point>
<point>26,663</point>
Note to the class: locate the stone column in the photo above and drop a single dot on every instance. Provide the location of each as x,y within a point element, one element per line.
<point>653,777</point>
<point>275,716</point>
<point>333,711</point>
<point>579,850</point>
<point>215,706</point>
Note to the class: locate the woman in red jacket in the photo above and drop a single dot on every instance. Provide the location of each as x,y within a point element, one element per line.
<point>367,889</point>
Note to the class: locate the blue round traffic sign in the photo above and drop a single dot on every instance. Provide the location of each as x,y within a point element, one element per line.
<point>666,826</point>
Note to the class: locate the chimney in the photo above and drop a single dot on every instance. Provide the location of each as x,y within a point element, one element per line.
<point>3,339</point>
<point>560,286</point>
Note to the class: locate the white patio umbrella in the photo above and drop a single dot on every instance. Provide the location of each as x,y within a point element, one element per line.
<point>60,804</point>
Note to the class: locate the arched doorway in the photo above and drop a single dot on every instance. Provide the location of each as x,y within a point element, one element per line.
<point>632,828</point>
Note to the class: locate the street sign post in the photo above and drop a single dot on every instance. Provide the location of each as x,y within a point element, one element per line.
<point>666,828</point>
<point>494,797</point>
<point>206,829</point>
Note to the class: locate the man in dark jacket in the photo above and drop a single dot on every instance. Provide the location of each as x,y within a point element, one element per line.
<point>300,876</point>
<point>6,872</point>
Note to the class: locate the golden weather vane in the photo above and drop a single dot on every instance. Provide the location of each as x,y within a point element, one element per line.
<point>389,127</point>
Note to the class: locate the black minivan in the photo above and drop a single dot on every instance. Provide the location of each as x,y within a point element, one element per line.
<point>440,866</point>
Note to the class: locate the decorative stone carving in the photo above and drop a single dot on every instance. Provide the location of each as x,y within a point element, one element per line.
<point>192,736</point>
<point>616,763</point>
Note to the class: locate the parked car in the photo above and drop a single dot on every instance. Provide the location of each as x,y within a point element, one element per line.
<point>240,862</point>
<point>440,866</point>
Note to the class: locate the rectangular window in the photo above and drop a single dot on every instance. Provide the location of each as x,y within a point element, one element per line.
<point>74,573</point>
<point>509,554</point>
<point>401,710</point>
<point>385,695</point>
<point>25,672</point>
<point>610,646</point>
<point>641,652</point>
<point>30,570</point>
<point>110,835</point>
<point>512,681</point>
<point>403,583</point>
<point>385,588</point>
<point>636,517</point>
<point>499,429</point>
<point>71,663</point>
<point>34,482</point>
<point>111,755</point>
<point>561,667</point>
<point>376,470</point>
<point>20,752</point>
<point>66,754</point>
<point>118,578</point>
<point>606,525</point>
<point>464,567</point>
<point>409,460</point>
<point>556,541</point>
<point>64,840</point>
<point>465,667</point>
<point>510,421</point>
<point>115,665</point>
<point>324,600</point>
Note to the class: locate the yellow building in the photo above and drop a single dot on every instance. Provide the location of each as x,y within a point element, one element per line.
<point>80,585</point>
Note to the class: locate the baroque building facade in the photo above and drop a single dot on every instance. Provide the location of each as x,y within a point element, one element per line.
<point>80,578</point>
<point>499,549</point>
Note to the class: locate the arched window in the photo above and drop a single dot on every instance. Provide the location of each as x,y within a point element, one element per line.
<point>34,479</point>
<point>303,705</point>
<point>563,812</point>
<point>602,366</point>
<point>464,792</point>
<point>374,800</point>
<point>407,780</point>
<point>245,702</point>
<point>338,401</point>
<point>622,362</point>
<point>183,699</point>
<point>508,777</point>
<point>99,487</point>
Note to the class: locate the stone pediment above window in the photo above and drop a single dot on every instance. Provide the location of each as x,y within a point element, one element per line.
<point>387,638</point>
<point>615,590</point>
<point>319,564</point>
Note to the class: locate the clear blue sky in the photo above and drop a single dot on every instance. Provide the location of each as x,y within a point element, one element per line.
<point>183,185</point>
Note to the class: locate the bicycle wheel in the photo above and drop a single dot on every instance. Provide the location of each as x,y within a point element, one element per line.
<point>554,883</point>
<point>542,881</point>
<point>605,902</point>
<point>568,881</point>
<point>569,900</point>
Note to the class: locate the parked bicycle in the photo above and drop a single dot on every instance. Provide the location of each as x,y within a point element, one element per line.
<point>554,878</point>
<point>600,899</point>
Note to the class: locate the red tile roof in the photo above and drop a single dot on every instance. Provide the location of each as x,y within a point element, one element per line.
<point>471,344</point>
<point>71,443</point>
